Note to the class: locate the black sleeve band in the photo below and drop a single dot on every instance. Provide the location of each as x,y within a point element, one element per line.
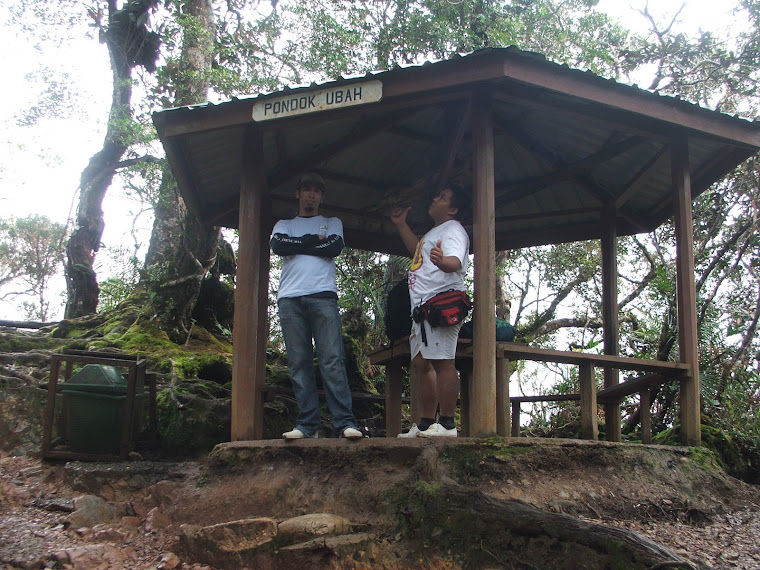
<point>308,244</point>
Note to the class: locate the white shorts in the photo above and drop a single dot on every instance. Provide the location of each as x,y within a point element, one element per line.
<point>441,341</point>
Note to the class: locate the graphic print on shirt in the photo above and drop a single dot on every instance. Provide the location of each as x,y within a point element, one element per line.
<point>417,259</point>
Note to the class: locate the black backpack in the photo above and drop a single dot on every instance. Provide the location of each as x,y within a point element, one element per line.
<point>398,310</point>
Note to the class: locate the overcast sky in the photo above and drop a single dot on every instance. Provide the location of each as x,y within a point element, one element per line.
<point>40,165</point>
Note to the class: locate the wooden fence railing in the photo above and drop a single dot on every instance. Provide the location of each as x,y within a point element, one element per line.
<point>397,355</point>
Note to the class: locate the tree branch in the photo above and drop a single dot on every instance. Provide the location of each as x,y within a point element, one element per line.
<point>147,159</point>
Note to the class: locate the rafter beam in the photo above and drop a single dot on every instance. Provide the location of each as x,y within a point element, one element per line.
<point>640,177</point>
<point>362,132</point>
<point>564,171</point>
<point>455,137</point>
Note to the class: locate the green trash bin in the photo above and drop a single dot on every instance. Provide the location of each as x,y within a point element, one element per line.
<point>94,400</point>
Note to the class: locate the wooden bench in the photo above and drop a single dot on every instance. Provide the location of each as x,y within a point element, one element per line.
<point>270,392</point>
<point>397,355</point>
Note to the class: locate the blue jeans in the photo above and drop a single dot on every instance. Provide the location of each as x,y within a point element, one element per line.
<point>304,318</point>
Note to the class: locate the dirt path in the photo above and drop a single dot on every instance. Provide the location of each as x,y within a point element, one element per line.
<point>663,494</point>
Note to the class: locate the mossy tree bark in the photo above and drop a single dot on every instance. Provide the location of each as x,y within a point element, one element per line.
<point>129,44</point>
<point>182,249</point>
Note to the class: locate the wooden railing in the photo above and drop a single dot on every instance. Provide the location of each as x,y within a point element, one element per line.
<point>397,355</point>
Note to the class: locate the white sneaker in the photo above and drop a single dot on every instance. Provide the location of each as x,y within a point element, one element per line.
<point>352,433</point>
<point>298,434</point>
<point>413,431</point>
<point>437,430</point>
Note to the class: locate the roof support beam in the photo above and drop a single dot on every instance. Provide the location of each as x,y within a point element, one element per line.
<point>576,171</point>
<point>251,296</point>
<point>362,132</point>
<point>589,114</point>
<point>610,318</point>
<point>688,351</point>
<point>455,142</point>
<point>640,178</point>
<point>706,175</point>
<point>482,389</point>
<point>559,215</point>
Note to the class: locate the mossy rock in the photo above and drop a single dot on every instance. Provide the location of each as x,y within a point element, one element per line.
<point>726,450</point>
<point>193,416</point>
<point>717,446</point>
<point>213,367</point>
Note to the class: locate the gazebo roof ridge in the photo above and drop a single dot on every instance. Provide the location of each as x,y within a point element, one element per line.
<point>552,124</point>
<point>511,50</point>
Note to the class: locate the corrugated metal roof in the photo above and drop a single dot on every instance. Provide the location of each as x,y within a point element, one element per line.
<point>568,145</point>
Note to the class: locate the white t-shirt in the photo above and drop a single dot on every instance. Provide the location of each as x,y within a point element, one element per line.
<point>427,280</point>
<point>307,274</point>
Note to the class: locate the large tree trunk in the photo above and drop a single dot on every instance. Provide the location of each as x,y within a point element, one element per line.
<point>129,44</point>
<point>182,249</point>
<point>181,252</point>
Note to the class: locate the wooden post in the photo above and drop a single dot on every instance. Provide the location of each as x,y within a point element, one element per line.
<point>129,409</point>
<point>610,319</point>
<point>414,395</point>
<point>589,427</point>
<point>150,379</point>
<point>502,396</point>
<point>248,366</point>
<point>465,391</point>
<point>645,415</point>
<point>516,419</point>
<point>393,399</point>
<point>262,331</point>
<point>49,419</point>
<point>686,294</point>
<point>482,414</point>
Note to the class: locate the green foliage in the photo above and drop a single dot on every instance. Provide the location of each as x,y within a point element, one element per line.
<point>51,26</point>
<point>339,36</point>
<point>360,277</point>
<point>130,132</point>
<point>121,283</point>
<point>31,253</point>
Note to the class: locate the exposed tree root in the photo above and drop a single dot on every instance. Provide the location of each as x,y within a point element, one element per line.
<point>442,513</point>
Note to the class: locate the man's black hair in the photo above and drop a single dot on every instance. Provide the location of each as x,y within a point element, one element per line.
<point>460,199</point>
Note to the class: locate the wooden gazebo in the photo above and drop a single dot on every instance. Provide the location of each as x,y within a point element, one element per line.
<point>551,154</point>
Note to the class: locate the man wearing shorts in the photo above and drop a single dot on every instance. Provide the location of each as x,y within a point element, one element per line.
<point>439,264</point>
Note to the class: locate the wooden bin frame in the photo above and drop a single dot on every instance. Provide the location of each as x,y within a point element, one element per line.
<point>136,373</point>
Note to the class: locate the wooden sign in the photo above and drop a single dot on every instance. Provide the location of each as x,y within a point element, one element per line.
<point>303,102</point>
